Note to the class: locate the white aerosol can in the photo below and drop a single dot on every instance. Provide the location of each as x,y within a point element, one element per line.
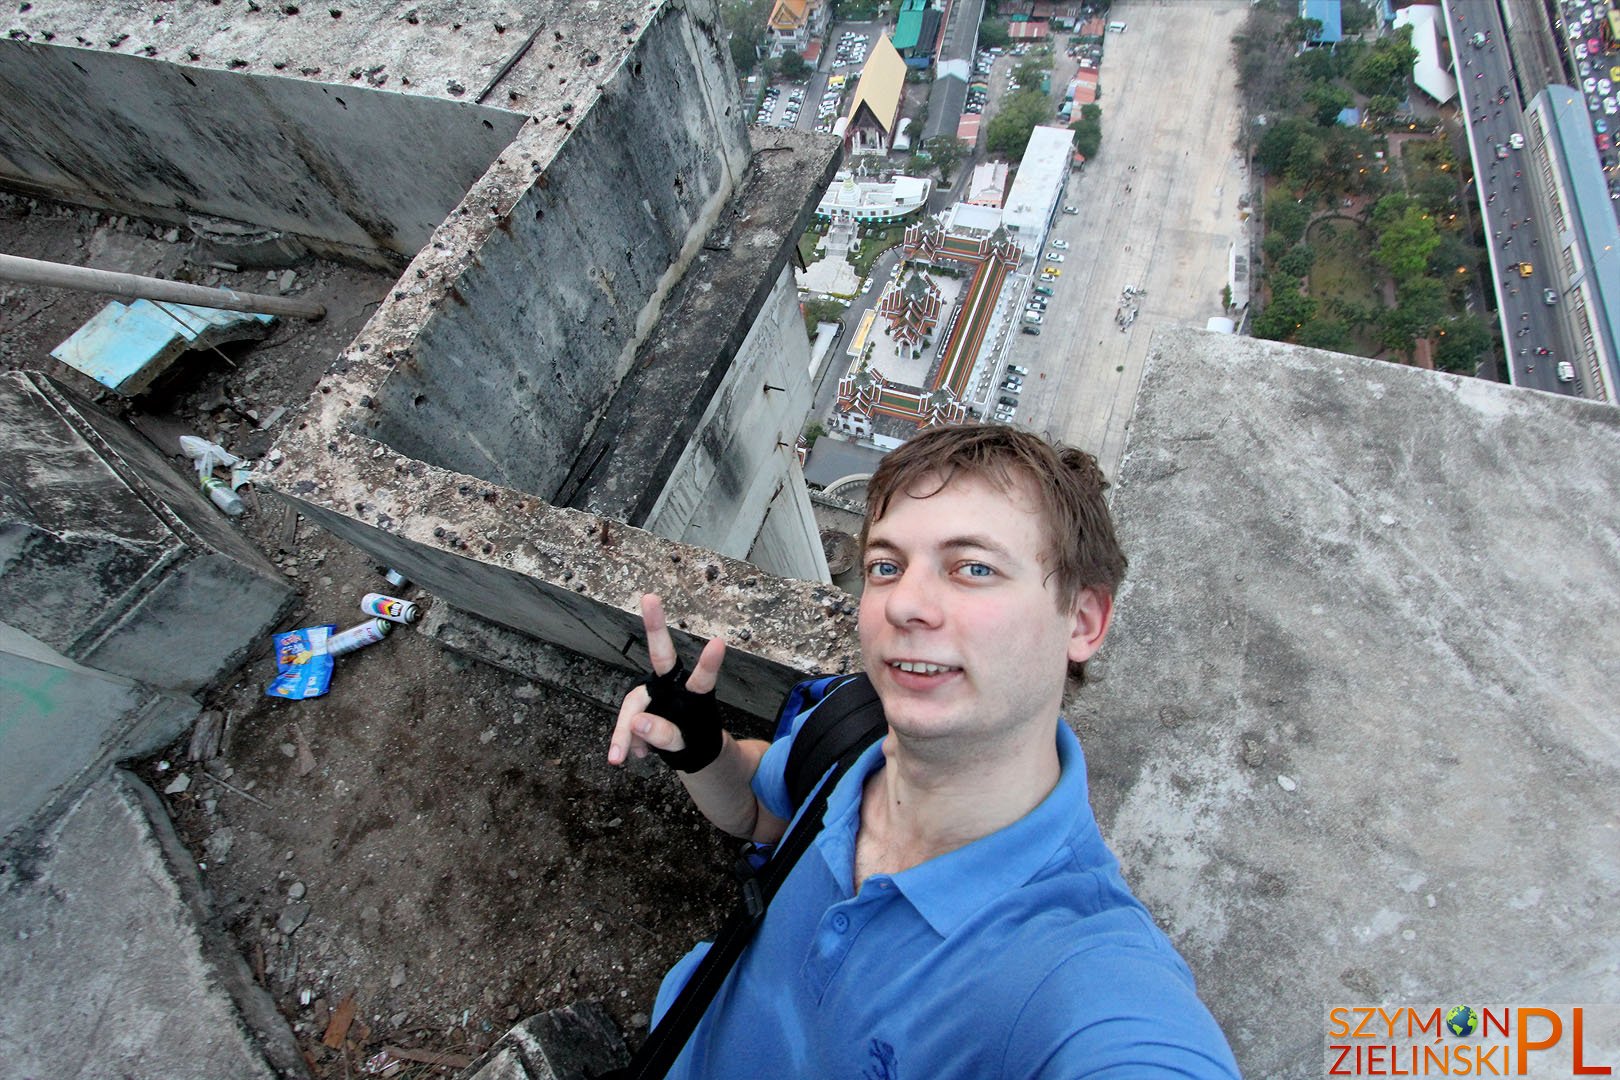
<point>358,637</point>
<point>391,608</point>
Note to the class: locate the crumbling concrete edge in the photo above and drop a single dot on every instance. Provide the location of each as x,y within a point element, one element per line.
<point>256,1008</point>
<point>576,1040</point>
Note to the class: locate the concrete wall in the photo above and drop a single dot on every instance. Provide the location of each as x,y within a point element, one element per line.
<point>122,591</point>
<point>63,725</point>
<point>111,557</point>
<point>740,469</point>
<point>352,171</point>
<point>568,254</point>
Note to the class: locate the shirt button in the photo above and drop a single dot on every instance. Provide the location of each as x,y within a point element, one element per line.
<point>840,922</point>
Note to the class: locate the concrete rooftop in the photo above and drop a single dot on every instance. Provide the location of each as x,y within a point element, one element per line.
<point>1355,734</point>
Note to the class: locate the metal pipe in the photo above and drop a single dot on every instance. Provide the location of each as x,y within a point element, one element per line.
<point>139,287</point>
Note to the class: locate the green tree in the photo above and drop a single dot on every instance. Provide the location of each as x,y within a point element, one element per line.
<point>1404,246</point>
<point>993,34</point>
<point>1380,109</point>
<point>1287,217</point>
<point>1327,102</point>
<point>1088,131</point>
<point>1384,68</point>
<point>1354,17</point>
<point>1307,163</point>
<point>1273,247</point>
<point>946,152</point>
<point>1297,262</point>
<point>1288,311</point>
<point>1008,131</point>
<point>1459,343</point>
<point>744,21</point>
<point>1329,334</point>
<point>1277,144</point>
<point>792,66</point>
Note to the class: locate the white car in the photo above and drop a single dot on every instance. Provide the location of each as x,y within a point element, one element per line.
<point>1604,86</point>
<point>1608,105</point>
<point>1589,84</point>
<point>1061,245</point>
<point>1052,256</point>
<point>1071,209</point>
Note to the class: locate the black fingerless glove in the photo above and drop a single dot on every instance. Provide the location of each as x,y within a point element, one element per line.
<point>694,714</point>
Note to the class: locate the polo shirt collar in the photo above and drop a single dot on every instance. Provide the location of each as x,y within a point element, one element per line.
<point>947,890</point>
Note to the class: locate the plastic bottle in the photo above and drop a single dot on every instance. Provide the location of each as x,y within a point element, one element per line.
<point>224,498</point>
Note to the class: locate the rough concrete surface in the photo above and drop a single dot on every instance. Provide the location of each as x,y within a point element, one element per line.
<point>110,967</point>
<point>1355,733</point>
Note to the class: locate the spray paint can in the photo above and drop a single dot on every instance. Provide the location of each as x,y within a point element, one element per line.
<point>358,637</point>
<point>391,608</point>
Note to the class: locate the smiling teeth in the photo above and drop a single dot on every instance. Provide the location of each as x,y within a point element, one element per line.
<point>921,669</point>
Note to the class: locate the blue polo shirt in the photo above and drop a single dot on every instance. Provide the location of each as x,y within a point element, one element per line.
<point>1022,954</point>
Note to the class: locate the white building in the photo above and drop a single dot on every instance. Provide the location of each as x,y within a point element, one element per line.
<point>1037,191</point>
<point>850,199</point>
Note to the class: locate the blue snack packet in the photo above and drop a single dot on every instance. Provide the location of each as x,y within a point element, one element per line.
<point>304,665</point>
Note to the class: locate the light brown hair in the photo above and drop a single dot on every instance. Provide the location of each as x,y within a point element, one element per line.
<point>1082,551</point>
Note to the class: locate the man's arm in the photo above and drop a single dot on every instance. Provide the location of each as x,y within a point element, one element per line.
<point>722,788</point>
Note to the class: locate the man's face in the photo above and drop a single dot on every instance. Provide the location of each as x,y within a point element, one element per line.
<point>960,632</point>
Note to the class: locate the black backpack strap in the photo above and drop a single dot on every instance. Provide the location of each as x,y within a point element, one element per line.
<point>849,714</point>
<point>836,740</point>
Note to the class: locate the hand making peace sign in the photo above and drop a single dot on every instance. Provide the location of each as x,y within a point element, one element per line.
<point>673,716</point>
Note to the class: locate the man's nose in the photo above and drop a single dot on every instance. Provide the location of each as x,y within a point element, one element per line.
<point>914,599</point>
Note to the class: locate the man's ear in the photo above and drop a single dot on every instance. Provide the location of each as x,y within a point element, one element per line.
<point>1093,612</point>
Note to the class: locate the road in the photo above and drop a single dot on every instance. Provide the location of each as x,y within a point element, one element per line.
<point>1506,186</point>
<point>1159,210</point>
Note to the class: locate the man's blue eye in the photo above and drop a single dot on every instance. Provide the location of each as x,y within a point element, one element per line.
<point>881,568</point>
<point>978,569</point>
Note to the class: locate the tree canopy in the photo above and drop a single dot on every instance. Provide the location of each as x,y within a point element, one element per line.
<point>792,66</point>
<point>1008,131</point>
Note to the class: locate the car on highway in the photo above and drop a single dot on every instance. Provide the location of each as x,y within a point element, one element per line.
<point>1600,125</point>
<point>1478,41</point>
<point>1061,245</point>
<point>1593,46</point>
<point>1516,140</point>
<point>1051,271</point>
<point>1614,73</point>
<point>1526,269</point>
<point>1071,209</point>
<point>1501,151</point>
<point>1549,296</point>
<point>1603,142</point>
<point>1566,371</point>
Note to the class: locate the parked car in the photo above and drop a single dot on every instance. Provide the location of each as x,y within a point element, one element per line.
<point>1007,401</point>
<point>1032,330</point>
<point>1044,290</point>
<point>1052,270</point>
<point>1071,209</point>
<point>1061,245</point>
<point>1054,256</point>
<point>1016,370</point>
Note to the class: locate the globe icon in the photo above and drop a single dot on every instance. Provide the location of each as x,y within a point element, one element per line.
<point>1462,1021</point>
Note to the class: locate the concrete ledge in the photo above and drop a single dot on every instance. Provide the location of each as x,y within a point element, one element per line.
<point>112,963</point>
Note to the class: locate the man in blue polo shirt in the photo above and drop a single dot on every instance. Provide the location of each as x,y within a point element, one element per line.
<point>958,914</point>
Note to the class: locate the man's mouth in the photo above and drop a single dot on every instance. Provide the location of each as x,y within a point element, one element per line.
<point>919,667</point>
